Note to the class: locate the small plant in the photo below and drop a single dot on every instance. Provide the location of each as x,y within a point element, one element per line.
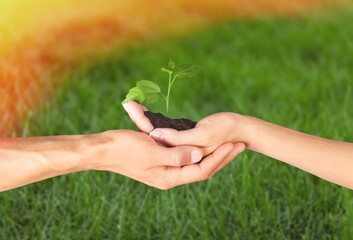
<point>150,92</point>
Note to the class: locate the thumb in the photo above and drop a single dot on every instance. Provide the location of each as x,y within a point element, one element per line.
<point>180,156</point>
<point>173,137</point>
<point>136,113</point>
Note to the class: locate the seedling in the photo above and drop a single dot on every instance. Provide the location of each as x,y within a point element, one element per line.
<point>150,92</point>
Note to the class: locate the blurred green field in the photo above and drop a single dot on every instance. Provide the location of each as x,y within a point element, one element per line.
<point>294,72</point>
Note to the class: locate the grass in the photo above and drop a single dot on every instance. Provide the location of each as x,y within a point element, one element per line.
<point>294,72</point>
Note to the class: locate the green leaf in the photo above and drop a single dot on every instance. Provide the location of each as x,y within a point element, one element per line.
<point>187,70</point>
<point>144,91</point>
<point>135,94</point>
<point>150,90</point>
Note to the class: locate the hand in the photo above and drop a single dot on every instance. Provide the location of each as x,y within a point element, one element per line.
<point>138,156</point>
<point>209,133</point>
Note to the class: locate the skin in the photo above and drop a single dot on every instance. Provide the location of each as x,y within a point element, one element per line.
<point>327,159</point>
<point>132,154</point>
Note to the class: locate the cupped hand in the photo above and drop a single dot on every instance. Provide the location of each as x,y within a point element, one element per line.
<point>138,156</point>
<point>209,133</point>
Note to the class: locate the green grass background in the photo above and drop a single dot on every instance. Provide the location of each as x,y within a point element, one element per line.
<point>295,72</point>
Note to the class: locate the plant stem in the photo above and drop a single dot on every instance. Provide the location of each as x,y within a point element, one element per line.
<point>168,93</point>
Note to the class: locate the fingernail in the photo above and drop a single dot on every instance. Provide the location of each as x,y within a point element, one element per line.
<point>196,156</point>
<point>157,135</point>
<point>130,111</point>
<point>126,106</point>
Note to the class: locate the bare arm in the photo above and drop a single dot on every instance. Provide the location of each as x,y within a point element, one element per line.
<point>133,154</point>
<point>328,159</point>
<point>28,160</point>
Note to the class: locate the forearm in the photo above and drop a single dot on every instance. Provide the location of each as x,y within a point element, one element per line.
<point>28,160</point>
<point>328,159</point>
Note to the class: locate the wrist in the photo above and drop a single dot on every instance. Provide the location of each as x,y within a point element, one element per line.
<point>102,148</point>
<point>244,128</point>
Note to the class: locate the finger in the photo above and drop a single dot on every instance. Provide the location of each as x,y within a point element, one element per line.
<point>201,171</point>
<point>172,137</point>
<point>237,149</point>
<point>179,156</point>
<point>136,113</point>
<point>208,150</point>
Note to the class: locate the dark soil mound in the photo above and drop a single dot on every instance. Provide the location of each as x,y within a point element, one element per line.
<point>158,120</point>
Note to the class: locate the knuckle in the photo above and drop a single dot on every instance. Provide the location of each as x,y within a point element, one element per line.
<point>177,159</point>
<point>204,176</point>
<point>166,182</point>
<point>113,135</point>
<point>107,137</point>
<point>163,186</point>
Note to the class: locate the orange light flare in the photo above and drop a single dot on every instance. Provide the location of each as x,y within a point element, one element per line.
<point>40,39</point>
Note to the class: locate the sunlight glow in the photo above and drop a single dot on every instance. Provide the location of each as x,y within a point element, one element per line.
<point>40,36</point>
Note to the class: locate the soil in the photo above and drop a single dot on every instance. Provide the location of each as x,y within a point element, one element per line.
<point>158,120</point>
